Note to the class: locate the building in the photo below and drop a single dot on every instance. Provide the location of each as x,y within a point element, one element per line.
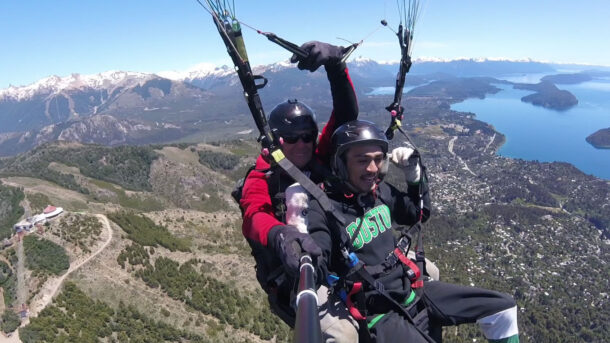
<point>23,225</point>
<point>38,219</point>
<point>52,211</point>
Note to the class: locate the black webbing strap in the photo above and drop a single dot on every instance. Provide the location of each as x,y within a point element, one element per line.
<point>420,259</point>
<point>362,273</point>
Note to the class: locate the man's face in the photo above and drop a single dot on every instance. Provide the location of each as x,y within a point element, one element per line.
<point>298,147</point>
<point>363,166</point>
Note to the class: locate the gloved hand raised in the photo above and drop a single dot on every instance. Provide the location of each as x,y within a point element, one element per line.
<point>289,244</point>
<point>319,54</point>
<point>405,159</point>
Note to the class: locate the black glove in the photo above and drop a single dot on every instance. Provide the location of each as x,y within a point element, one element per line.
<point>319,54</point>
<point>290,244</point>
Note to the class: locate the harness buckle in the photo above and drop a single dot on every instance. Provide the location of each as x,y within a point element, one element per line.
<point>404,243</point>
<point>379,286</point>
<point>419,256</point>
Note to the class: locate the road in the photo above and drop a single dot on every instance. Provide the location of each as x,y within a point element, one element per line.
<point>22,290</point>
<point>490,141</point>
<point>450,148</point>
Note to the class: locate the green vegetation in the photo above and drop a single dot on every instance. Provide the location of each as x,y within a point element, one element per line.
<point>128,166</point>
<point>140,202</point>
<point>190,284</point>
<point>495,248</point>
<point>548,95</point>
<point>74,317</point>
<point>38,202</point>
<point>218,161</point>
<point>600,138</point>
<point>244,148</point>
<point>135,254</point>
<point>145,232</point>
<point>212,203</point>
<point>10,210</point>
<point>457,88</point>
<point>568,79</point>
<point>226,240</point>
<point>43,256</point>
<point>239,172</point>
<point>10,321</point>
<point>78,229</point>
<point>8,282</point>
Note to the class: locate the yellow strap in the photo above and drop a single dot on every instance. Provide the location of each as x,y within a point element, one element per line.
<point>278,155</point>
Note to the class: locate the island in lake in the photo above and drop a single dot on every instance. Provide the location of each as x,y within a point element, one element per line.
<point>548,96</point>
<point>568,78</point>
<point>600,139</point>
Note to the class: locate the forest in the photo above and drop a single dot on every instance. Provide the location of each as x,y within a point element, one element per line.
<point>10,209</point>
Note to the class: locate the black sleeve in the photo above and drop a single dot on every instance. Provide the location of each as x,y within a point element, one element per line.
<point>345,103</point>
<point>406,207</point>
<point>319,230</point>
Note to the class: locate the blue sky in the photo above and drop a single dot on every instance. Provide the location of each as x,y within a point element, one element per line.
<point>44,37</point>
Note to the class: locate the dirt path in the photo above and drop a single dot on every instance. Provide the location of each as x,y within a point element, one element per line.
<point>22,290</point>
<point>490,141</point>
<point>51,287</point>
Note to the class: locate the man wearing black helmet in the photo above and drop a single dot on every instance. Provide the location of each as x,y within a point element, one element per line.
<point>274,243</point>
<point>363,259</point>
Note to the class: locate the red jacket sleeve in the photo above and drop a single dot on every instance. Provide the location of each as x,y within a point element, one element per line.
<point>345,108</point>
<point>258,216</point>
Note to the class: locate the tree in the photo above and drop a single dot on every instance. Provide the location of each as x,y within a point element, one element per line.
<point>10,321</point>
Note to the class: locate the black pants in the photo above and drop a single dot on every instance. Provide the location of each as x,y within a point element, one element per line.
<point>446,304</point>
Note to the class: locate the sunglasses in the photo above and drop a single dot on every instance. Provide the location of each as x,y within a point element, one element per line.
<point>305,137</point>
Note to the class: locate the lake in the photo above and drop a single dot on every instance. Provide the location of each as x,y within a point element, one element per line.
<point>535,133</point>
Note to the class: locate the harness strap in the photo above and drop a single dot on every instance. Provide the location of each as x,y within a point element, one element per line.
<point>353,310</point>
<point>398,307</point>
<point>415,283</point>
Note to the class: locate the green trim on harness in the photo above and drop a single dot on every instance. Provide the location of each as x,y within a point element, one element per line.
<point>408,302</point>
<point>410,298</point>
<point>375,320</point>
<point>511,339</point>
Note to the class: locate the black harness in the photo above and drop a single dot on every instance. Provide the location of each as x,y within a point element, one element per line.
<point>351,287</point>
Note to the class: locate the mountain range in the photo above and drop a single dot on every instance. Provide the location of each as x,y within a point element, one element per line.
<point>191,105</point>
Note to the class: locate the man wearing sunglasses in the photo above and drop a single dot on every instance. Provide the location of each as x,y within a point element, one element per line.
<point>275,245</point>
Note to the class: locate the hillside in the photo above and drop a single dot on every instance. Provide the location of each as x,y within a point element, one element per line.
<point>538,231</point>
<point>139,246</point>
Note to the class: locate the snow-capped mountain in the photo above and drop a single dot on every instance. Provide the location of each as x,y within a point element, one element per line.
<point>57,99</point>
<point>55,84</point>
<point>206,98</point>
<point>200,71</point>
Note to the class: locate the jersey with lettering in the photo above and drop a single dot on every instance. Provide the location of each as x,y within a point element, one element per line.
<point>377,214</point>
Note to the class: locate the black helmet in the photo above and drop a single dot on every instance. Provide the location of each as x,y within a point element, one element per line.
<point>352,133</point>
<point>292,115</point>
